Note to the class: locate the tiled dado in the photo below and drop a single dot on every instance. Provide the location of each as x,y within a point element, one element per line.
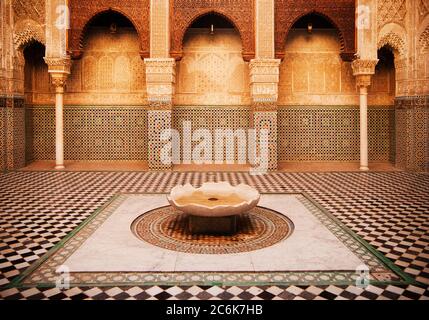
<point>211,118</point>
<point>120,133</point>
<point>331,133</point>
<point>90,133</point>
<point>412,133</point>
<point>2,133</point>
<point>12,135</point>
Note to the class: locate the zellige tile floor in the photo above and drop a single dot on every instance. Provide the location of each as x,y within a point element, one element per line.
<point>390,210</point>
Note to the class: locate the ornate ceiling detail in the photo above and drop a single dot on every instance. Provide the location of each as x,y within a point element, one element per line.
<point>339,13</point>
<point>29,9</point>
<point>239,12</point>
<point>391,11</point>
<point>81,13</point>
<point>27,31</point>
<point>394,41</point>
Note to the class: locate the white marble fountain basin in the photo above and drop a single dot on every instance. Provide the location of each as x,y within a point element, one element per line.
<point>214,192</point>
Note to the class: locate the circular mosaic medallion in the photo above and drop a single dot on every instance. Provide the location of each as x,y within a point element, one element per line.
<point>167,228</point>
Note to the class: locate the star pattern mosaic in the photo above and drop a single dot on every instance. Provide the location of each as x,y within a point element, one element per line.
<point>390,210</point>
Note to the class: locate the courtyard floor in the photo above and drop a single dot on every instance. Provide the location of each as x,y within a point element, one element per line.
<point>389,210</point>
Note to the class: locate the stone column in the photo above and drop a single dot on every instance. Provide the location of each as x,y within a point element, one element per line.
<point>160,80</point>
<point>264,78</point>
<point>59,69</point>
<point>363,70</point>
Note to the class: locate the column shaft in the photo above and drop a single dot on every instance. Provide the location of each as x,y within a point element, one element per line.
<point>363,107</point>
<point>59,69</point>
<point>59,128</point>
<point>363,71</point>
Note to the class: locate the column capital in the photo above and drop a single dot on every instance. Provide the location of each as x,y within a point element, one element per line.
<point>363,80</point>
<point>59,69</point>
<point>58,64</point>
<point>264,79</point>
<point>363,70</point>
<point>160,81</point>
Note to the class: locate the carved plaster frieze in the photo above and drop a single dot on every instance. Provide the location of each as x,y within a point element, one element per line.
<point>394,41</point>
<point>391,11</point>
<point>58,64</point>
<point>339,13</point>
<point>364,67</point>
<point>363,71</point>
<point>58,80</point>
<point>160,82</point>
<point>264,78</point>
<point>28,30</point>
<point>238,12</point>
<point>424,40</point>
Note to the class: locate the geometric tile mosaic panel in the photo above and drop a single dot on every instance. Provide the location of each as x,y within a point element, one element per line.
<point>2,138</point>
<point>90,133</point>
<point>120,133</point>
<point>158,120</point>
<point>412,133</point>
<point>332,134</point>
<point>212,118</point>
<point>18,137</point>
<point>267,120</point>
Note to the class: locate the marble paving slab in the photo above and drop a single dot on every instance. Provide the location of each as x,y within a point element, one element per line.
<point>104,251</point>
<point>113,247</point>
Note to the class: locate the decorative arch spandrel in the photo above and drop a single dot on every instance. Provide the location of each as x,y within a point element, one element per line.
<point>240,13</point>
<point>340,13</point>
<point>82,12</point>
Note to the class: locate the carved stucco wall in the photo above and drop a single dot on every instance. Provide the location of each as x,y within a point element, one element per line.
<point>312,73</point>
<point>422,50</point>
<point>81,13</point>
<point>20,23</point>
<point>340,13</point>
<point>212,70</point>
<point>29,22</point>
<point>29,9</point>
<point>213,73</point>
<point>239,12</point>
<point>105,115</point>
<point>391,11</point>
<point>110,71</point>
<point>402,25</point>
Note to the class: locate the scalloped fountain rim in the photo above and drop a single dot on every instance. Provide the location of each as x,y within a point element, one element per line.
<point>249,195</point>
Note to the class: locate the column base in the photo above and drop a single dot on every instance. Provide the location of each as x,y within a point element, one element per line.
<point>59,167</point>
<point>364,168</point>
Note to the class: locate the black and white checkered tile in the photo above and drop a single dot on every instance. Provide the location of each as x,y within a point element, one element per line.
<point>390,210</point>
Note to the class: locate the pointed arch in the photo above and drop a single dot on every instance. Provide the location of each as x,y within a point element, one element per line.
<point>178,54</point>
<point>238,13</point>
<point>27,31</point>
<point>339,14</point>
<point>394,36</point>
<point>82,14</point>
